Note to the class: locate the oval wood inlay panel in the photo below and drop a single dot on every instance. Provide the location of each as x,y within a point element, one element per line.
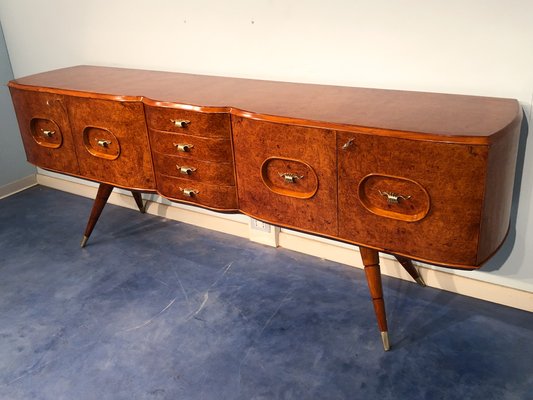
<point>101,143</point>
<point>303,185</point>
<point>46,133</point>
<point>394,197</point>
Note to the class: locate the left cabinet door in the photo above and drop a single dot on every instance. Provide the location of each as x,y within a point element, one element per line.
<point>45,130</point>
<point>112,142</point>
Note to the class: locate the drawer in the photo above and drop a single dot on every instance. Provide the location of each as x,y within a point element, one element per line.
<point>218,173</point>
<point>188,146</point>
<point>189,122</point>
<point>411,196</point>
<point>46,134</point>
<point>219,197</point>
<point>286,174</point>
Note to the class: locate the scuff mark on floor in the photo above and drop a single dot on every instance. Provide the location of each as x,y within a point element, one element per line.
<point>206,294</point>
<point>149,321</point>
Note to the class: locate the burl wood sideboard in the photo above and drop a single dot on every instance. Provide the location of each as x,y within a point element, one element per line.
<point>421,176</point>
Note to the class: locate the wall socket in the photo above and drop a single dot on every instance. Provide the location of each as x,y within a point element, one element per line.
<point>261,232</point>
<point>260,226</point>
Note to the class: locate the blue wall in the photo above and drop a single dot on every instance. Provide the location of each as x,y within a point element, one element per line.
<point>13,164</point>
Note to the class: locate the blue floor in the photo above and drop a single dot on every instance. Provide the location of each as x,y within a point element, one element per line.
<point>155,309</point>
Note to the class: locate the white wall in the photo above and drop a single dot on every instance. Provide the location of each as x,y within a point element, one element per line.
<point>482,47</point>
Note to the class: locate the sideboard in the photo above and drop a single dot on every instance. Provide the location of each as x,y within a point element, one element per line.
<point>421,176</point>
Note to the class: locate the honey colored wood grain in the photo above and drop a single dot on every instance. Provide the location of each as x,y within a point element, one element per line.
<point>288,177</point>
<point>501,165</point>
<point>57,152</point>
<point>104,191</point>
<point>195,123</point>
<point>217,173</point>
<point>377,191</point>
<point>453,176</point>
<point>255,142</point>
<point>118,121</point>
<point>452,117</point>
<point>370,259</point>
<point>199,148</point>
<point>218,197</point>
<point>457,153</point>
<point>419,175</point>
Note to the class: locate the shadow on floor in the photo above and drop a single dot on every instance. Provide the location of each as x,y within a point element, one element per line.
<point>155,309</point>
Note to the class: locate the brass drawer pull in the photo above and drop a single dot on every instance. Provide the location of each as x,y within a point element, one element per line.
<point>183,147</point>
<point>48,133</point>
<point>180,123</point>
<point>189,192</point>
<point>289,177</point>
<point>393,198</point>
<point>103,143</point>
<point>185,170</point>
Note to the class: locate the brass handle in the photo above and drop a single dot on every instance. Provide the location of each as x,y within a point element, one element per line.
<point>183,147</point>
<point>393,198</point>
<point>185,170</point>
<point>180,123</point>
<point>48,133</point>
<point>289,177</point>
<point>103,143</point>
<point>189,192</point>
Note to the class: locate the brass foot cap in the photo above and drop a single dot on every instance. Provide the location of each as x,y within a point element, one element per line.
<point>420,281</point>
<point>84,241</point>
<point>385,340</point>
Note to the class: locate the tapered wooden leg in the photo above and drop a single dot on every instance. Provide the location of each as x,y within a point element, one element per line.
<point>410,268</point>
<point>373,277</point>
<point>139,201</point>
<point>104,191</point>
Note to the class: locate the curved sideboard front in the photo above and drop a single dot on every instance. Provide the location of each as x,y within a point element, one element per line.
<point>421,175</point>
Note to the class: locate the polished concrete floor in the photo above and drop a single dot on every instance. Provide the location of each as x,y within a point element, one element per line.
<point>155,309</point>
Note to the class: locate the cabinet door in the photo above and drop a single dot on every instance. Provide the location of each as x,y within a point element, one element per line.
<point>417,198</point>
<point>286,174</point>
<point>45,130</point>
<point>112,142</point>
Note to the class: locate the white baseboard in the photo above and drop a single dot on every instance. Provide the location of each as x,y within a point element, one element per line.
<point>17,186</point>
<point>327,249</point>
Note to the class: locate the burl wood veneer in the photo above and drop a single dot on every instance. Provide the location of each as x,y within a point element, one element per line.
<point>422,176</point>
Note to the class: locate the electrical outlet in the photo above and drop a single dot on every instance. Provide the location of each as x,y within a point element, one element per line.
<point>261,232</point>
<point>260,226</point>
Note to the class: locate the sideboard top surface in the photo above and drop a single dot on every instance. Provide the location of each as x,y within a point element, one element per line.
<point>453,116</point>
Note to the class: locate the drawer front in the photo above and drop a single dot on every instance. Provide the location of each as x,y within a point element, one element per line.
<point>419,198</point>
<point>218,197</point>
<point>188,146</point>
<point>112,142</point>
<point>286,174</point>
<point>45,130</point>
<point>189,122</point>
<point>217,173</point>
